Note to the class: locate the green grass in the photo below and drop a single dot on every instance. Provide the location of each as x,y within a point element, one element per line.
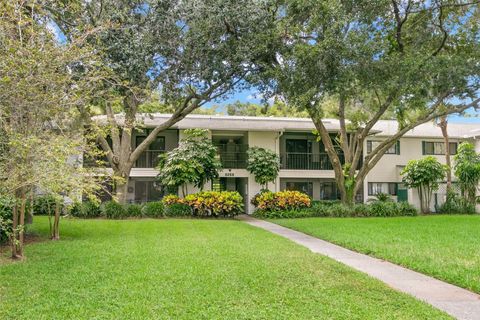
<point>188,269</point>
<point>445,247</point>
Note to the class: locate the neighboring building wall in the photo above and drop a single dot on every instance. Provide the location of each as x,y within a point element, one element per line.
<point>389,167</point>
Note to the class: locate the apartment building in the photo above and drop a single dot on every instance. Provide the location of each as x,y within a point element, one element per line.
<point>304,163</point>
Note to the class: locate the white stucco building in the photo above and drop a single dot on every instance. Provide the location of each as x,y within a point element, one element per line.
<point>305,165</point>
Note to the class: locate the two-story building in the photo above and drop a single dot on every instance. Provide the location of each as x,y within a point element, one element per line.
<point>305,165</point>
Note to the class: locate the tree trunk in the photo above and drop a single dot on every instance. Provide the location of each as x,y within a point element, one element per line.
<point>21,223</point>
<point>56,222</point>
<point>13,235</point>
<point>444,125</point>
<point>121,188</point>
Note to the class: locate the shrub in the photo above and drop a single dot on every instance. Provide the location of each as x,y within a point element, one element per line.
<point>113,210</point>
<point>319,209</point>
<point>255,198</point>
<point>383,209</point>
<point>282,214</point>
<point>134,210</point>
<point>153,209</point>
<point>214,203</point>
<point>456,204</point>
<point>171,199</point>
<point>86,209</point>
<point>341,210</point>
<point>382,197</point>
<point>42,205</point>
<point>325,202</point>
<point>6,205</point>
<point>177,210</point>
<point>283,200</point>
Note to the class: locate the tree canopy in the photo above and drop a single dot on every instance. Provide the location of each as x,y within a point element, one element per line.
<point>194,161</point>
<point>264,164</point>
<point>414,61</point>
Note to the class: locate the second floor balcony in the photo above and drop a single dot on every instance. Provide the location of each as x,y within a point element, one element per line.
<point>307,161</point>
<point>233,156</point>
<point>149,159</point>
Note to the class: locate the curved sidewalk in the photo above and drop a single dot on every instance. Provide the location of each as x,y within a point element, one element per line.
<point>457,302</point>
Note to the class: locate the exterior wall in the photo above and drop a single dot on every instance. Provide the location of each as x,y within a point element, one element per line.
<point>387,169</point>
<point>268,140</point>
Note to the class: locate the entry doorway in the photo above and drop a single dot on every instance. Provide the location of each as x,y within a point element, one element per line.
<point>402,193</point>
<point>232,184</point>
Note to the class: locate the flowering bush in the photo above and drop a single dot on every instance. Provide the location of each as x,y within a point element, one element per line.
<point>214,203</point>
<point>283,200</point>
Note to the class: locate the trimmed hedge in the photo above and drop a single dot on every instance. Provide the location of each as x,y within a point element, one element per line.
<point>319,209</point>
<point>178,210</point>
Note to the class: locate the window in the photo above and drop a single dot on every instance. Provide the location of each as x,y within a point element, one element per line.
<point>305,187</point>
<point>390,188</point>
<point>372,144</point>
<point>328,191</point>
<point>437,148</point>
<point>157,145</point>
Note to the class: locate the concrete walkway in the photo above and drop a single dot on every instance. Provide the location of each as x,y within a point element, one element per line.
<point>457,302</point>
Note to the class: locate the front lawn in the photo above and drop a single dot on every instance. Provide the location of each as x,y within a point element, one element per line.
<point>445,247</point>
<point>188,269</point>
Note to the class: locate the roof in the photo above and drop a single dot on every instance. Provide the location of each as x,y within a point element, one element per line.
<point>243,123</point>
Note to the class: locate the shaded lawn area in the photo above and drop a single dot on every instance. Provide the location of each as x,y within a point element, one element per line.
<point>188,269</point>
<point>445,247</point>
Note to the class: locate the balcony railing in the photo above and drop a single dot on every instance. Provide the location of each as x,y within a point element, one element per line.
<point>148,159</point>
<point>307,161</point>
<point>233,156</point>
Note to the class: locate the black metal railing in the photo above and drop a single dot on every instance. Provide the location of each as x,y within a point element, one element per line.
<point>148,159</point>
<point>307,161</point>
<point>233,156</point>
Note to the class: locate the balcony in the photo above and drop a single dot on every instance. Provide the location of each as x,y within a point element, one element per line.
<point>233,156</point>
<point>307,161</point>
<point>148,159</point>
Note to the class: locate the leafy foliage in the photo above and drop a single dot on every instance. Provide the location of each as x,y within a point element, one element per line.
<point>282,200</point>
<point>455,204</point>
<point>154,209</point>
<point>467,171</point>
<point>178,210</point>
<point>44,205</point>
<point>425,175</point>
<point>329,209</point>
<point>86,209</point>
<point>193,161</point>
<point>6,207</point>
<point>113,210</point>
<point>382,197</point>
<point>264,164</point>
<point>362,61</point>
<point>214,203</point>
<point>171,199</point>
<point>134,210</point>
